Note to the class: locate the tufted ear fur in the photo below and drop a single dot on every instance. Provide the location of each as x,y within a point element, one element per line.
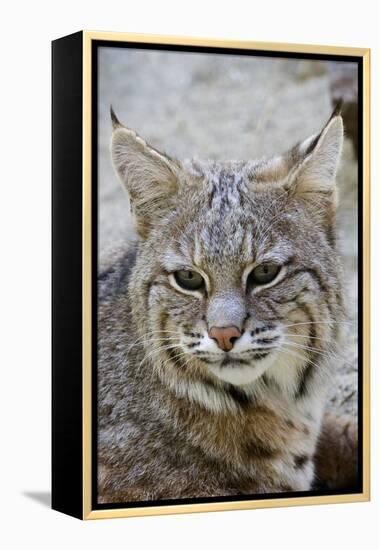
<point>319,158</point>
<point>149,177</point>
<point>312,165</point>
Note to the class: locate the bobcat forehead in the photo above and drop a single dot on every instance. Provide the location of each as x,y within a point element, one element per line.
<point>237,175</point>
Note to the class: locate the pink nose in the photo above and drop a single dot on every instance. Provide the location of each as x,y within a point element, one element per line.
<point>225,336</point>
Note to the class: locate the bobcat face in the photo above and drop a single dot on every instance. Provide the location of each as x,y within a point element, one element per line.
<point>227,282</point>
<point>236,272</point>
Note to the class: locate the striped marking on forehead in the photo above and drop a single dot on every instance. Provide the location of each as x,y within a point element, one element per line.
<point>221,246</point>
<point>226,188</point>
<point>229,183</point>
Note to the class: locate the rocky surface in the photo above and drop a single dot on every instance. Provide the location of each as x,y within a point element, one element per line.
<point>211,106</point>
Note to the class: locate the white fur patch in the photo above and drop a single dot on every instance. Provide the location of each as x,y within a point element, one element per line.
<point>241,375</point>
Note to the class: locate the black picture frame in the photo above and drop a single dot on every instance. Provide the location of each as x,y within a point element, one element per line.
<point>73,83</point>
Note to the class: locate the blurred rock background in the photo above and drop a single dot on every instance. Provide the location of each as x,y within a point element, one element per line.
<point>230,107</point>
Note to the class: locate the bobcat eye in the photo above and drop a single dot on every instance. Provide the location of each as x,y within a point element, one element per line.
<point>190,280</point>
<point>264,273</point>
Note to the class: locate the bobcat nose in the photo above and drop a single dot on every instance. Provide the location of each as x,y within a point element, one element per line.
<point>225,336</point>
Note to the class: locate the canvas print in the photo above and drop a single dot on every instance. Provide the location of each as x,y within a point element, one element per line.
<point>227,300</point>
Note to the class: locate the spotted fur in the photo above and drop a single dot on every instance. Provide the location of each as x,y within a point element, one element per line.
<point>178,416</point>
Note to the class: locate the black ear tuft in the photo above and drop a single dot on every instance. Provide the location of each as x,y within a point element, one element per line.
<point>115,122</point>
<point>337,111</point>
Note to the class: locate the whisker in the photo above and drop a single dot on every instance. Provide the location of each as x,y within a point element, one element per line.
<point>307,336</point>
<point>145,336</point>
<point>321,323</point>
<point>327,354</point>
<point>309,348</point>
<point>298,356</point>
<point>156,351</point>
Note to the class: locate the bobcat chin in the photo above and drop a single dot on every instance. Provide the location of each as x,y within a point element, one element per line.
<point>218,330</point>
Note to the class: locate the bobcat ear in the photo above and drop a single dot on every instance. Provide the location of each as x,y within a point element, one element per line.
<point>318,159</point>
<point>149,177</point>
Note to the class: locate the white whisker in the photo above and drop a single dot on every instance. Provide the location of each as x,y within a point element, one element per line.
<point>307,336</point>
<point>321,323</point>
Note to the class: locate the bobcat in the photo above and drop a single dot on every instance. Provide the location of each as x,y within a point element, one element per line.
<point>218,330</point>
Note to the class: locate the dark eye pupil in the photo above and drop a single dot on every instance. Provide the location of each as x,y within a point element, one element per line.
<point>264,274</point>
<point>190,280</point>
